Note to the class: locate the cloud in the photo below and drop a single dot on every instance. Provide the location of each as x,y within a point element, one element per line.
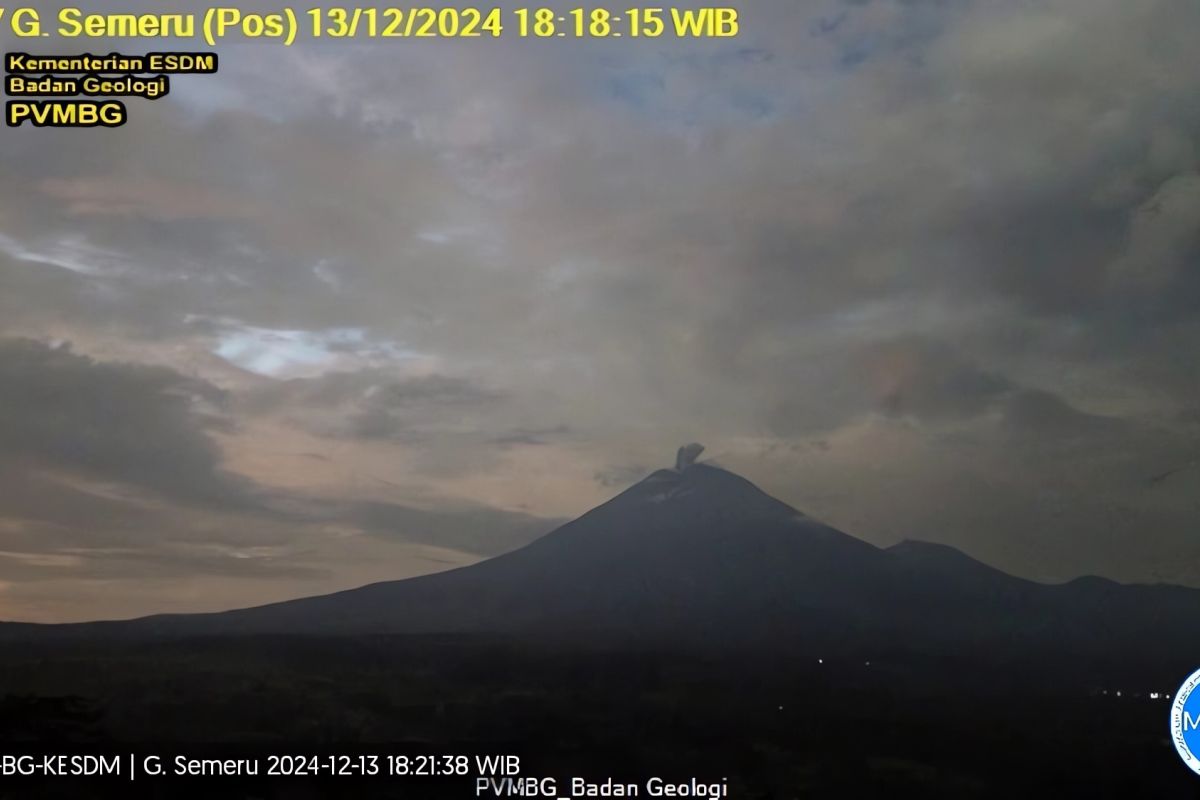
<point>81,549</point>
<point>911,377</point>
<point>1045,415</point>
<point>146,426</point>
<point>941,250</point>
<point>294,353</point>
<point>142,197</point>
<point>381,404</point>
<point>1163,238</point>
<point>621,477</point>
<point>533,437</point>
<point>480,531</point>
<point>928,380</point>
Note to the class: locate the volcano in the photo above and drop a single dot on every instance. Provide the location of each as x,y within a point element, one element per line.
<point>700,555</point>
<point>692,622</point>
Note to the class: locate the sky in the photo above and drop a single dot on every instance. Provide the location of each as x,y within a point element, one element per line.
<point>341,313</point>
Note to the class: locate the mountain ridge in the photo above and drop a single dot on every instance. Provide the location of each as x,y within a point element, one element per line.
<point>700,554</point>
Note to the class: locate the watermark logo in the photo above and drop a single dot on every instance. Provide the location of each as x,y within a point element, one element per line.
<point>1185,722</point>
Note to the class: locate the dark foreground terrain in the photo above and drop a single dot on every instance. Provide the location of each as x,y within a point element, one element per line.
<point>691,628</point>
<point>841,724</point>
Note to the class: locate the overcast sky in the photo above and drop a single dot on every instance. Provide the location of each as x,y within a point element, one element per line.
<point>922,268</point>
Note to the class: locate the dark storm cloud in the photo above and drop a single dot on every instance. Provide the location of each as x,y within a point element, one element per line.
<point>146,426</point>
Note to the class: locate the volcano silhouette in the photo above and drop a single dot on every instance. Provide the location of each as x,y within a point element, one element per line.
<point>702,555</point>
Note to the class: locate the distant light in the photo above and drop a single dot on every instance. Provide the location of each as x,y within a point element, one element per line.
<point>1118,694</point>
<point>781,708</point>
<point>820,661</point>
<point>868,663</point>
<point>1154,695</point>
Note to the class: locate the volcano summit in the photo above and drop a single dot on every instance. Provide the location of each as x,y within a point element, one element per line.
<point>700,555</point>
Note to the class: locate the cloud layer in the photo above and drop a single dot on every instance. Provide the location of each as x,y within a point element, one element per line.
<point>926,269</point>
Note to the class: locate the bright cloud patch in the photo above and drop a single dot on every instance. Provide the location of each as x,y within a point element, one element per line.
<point>69,253</point>
<point>297,353</point>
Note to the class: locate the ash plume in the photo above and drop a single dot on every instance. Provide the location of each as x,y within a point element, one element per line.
<point>687,455</point>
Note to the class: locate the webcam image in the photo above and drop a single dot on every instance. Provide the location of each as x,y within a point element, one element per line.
<point>777,400</point>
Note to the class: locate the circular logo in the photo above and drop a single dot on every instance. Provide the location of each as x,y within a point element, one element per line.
<point>1185,722</point>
